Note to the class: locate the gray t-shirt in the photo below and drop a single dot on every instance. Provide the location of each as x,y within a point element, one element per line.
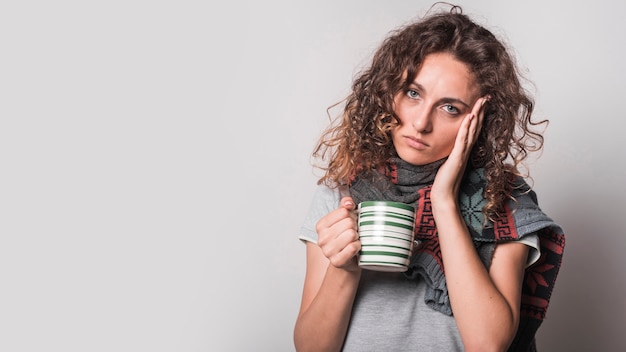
<point>389,312</point>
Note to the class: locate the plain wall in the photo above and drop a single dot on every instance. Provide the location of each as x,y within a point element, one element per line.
<point>155,164</point>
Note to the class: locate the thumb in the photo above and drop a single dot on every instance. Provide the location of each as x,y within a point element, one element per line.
<point>348,203</point>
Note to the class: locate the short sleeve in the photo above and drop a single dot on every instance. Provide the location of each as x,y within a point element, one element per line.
<point>532,241</point>
<point>325,200</point>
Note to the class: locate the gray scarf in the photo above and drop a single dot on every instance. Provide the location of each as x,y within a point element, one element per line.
<point>407,183</point>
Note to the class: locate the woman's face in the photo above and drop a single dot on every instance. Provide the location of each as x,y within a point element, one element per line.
<point>432,108</point>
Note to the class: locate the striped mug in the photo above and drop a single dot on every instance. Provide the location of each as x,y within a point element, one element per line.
<point>386,233</point>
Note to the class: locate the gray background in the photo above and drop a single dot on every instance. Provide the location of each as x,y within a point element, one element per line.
<point>155,163</point>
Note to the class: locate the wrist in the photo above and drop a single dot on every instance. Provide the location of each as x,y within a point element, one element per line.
<point>345,276</point>
<point>445,206</point>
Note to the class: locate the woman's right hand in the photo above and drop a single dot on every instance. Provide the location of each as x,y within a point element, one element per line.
<point>338,237</point>
<point>331,281</point>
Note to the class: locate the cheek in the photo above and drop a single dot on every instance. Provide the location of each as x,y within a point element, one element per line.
<point>402,114</point>
<point>402,123</point>
<point>396,134</point>
<point>448,135</point>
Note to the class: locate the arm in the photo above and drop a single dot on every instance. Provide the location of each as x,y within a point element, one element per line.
<point>485,303</point>
<point>330,284</point>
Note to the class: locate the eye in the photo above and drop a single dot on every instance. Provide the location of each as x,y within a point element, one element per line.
<point>412,93</point>
<point>450,109</point>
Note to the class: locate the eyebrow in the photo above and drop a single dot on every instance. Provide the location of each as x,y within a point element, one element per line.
<point>442,100</point>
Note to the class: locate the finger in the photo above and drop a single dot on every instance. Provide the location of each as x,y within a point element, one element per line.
<point>333,217</point>
<point>473,130</point>
<point>347,256</point>
<point>348,203</point>
<point>480,105</point>
<point>481,115</point>
<point>462,136</point>
<point>344,241</point>
<point>335,223</point>
<point>475,126</point>
<point>350,250</point>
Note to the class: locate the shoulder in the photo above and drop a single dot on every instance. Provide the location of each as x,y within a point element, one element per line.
<point>327,197</point>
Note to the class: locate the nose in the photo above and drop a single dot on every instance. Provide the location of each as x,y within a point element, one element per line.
<point>422,120</point>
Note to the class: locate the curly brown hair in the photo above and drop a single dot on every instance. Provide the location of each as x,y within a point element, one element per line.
<point>360,139</point>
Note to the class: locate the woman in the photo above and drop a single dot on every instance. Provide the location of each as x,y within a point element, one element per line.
<point>440,121</point>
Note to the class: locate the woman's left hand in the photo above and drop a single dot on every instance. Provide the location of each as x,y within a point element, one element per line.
<point>450,174</point>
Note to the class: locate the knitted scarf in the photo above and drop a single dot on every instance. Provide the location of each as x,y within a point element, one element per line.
<point>403,182</point>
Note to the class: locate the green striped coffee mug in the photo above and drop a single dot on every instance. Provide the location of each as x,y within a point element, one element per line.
<point>386,234</point>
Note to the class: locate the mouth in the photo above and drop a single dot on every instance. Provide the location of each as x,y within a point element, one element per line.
<point>416,143</point>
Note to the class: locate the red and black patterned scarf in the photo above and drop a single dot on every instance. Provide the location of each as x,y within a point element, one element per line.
<point>403,182</point>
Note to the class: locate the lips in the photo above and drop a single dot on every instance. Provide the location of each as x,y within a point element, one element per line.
<point>416,143</point>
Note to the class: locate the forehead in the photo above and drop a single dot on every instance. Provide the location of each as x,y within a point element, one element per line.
<point>443,74</point>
